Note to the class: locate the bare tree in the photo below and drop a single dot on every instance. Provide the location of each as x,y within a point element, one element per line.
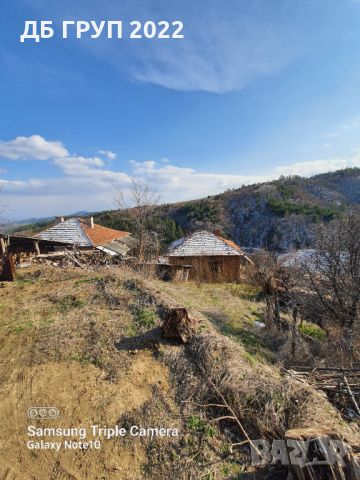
<point>139,204</point>
<point>333,277</point>
<point>269,277</point>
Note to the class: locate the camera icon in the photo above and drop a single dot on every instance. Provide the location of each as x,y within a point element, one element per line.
<point>43,413</point>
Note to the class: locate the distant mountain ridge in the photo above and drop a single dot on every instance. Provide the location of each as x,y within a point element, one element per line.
<point>15,225</point>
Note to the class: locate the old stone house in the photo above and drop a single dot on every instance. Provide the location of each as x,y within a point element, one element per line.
<point>212,258</point>
<point>85,234</point>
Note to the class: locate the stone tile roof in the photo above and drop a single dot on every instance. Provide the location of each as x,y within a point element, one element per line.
<point>76,232</point>
<point>204,243</point>
<point>69,231</point>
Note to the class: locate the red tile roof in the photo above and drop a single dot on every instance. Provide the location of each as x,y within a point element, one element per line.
<point>100,235</point>
<point>230,243</point>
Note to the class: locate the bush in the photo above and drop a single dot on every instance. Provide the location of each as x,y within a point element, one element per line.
<point>312,330</point>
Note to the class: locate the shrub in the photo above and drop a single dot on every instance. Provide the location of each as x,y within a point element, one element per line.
<point>312,330</point>
<point>196,424</point>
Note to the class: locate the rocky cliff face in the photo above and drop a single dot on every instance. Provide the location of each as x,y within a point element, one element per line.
<point>279,215</point>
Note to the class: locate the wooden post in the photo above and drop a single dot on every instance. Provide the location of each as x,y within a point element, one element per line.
<point>8,270</point>
<point>36,247</point>
<point>2,246</point>
<point>294,331</point>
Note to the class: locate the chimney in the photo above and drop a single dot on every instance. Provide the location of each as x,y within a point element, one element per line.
<point>60,219</point>
<point>91,222</point>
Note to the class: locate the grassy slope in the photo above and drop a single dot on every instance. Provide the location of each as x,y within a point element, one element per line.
<point>88,343</point>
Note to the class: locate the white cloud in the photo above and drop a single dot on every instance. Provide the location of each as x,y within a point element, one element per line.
<point>315,167</point>
<point>86,181</point>
<point>180,183</point>
<point>108,154</point>
<point>87,184</point>
<point>83,169</point>
<point>32,148</point>
<point>224,49</point>
<point>74,165</point>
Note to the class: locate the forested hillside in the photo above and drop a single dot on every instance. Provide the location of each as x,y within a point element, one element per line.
<point>278,215</point>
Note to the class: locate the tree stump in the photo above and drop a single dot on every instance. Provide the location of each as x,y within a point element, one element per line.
<point>178,324</point>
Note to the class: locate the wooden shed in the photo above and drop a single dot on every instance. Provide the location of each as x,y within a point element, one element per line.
<point>212,258</point>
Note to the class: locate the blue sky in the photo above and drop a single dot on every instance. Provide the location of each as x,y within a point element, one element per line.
<point>256,89</point>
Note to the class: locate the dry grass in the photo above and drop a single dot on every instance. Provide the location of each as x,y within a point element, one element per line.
<point>236,303</point>
<point>251,387</point>
<point>267,402</point>
<point>89,343</point>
